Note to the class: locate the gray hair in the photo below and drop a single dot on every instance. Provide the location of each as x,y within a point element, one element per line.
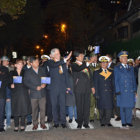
<point>53,51</point>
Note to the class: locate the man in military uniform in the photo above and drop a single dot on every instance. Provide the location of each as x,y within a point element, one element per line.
<point>93,66</point>
<point>104,90</point>
<point>125,85</point>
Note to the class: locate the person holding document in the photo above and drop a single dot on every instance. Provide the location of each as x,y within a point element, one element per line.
<point>21,105</point>
<point>35,79</point>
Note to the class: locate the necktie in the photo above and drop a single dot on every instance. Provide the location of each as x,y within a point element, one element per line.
<point>105,71</point>
<point>125,66</point>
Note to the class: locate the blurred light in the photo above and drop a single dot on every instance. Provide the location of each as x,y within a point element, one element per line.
<point>63,28</point>
<point>37,56</point>
<point>45,36</point>
<point>118,2</point>
<point>37,47</point>
<point>42,50</point>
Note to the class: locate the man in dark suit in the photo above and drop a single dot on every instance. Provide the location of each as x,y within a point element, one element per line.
<point>45,65</point>
<point>4,81</point>
<point>83,86</point>
<point>59,85</point>
<point>32,80</point>
<point>26,67</point>
<point>104,90</point>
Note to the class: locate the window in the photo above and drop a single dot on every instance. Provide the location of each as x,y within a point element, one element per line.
<point>136,25</point>
<point>123,32</point>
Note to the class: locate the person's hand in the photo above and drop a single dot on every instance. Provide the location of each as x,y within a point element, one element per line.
<point>12,86</point>
<point>43,85</point>
<point>38,88</point>
<point>93,90</point>
<point>69,56</point>
<point>67,91</point>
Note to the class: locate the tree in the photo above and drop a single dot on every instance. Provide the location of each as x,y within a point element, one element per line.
<point>13,8</point>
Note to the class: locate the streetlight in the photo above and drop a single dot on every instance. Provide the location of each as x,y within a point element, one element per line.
<point>63,28</point>
<point>45,36</point>
<point>41,50</point>
<point>37,47</point>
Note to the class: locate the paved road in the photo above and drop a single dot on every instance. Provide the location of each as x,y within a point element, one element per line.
<point>66,134</point>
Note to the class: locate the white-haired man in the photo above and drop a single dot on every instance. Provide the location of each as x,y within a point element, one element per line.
<point>59,85</point>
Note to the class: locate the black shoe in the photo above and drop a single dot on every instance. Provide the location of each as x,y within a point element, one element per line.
<point>22,130</point>
<point>129,124</point>
<point>49,121</point>
<point>56,125</point>
<point>91,120</point>
<point>109,125</point>
<point>79,126</point>
<point>70,121</point>
<point>15,130</point>
<point>86,126</point>
<point>63,125</point>
<point>124,125</point>
<point>102,125</point>
<point>29,123</point>
<point>118,119</point>
<point>2,130</point>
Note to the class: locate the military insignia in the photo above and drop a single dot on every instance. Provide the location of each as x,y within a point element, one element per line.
<point>106,75</point>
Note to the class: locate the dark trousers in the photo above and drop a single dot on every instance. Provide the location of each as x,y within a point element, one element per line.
<point>2,112</point>
<point>49,106</point>
<point>116,110</point>
<point>105,116</point>
<point>83,107</point>
<point>19,121</point>
<point>126,115</point>
<point>38,104</point>
<point>58,107</point>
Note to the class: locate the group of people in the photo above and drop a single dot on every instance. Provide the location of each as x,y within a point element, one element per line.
<point>58,87</point>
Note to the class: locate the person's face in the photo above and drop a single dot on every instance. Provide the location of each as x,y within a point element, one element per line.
<point>104,65</point>
<point>57,55</point>
<point>93,59</point>
<point>80,57</point>
<point>35,64</point>
<point>123,59</point>
<point>28,63</point>
<point>137,62</point>
<point>130,64</point>
<point>5,63</point>
<point>19,65</point>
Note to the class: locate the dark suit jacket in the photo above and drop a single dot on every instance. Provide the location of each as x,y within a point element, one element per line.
<point>59,82</point>
<point>5,79</point>
<point>82,82</point>
<point>32,80</point>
